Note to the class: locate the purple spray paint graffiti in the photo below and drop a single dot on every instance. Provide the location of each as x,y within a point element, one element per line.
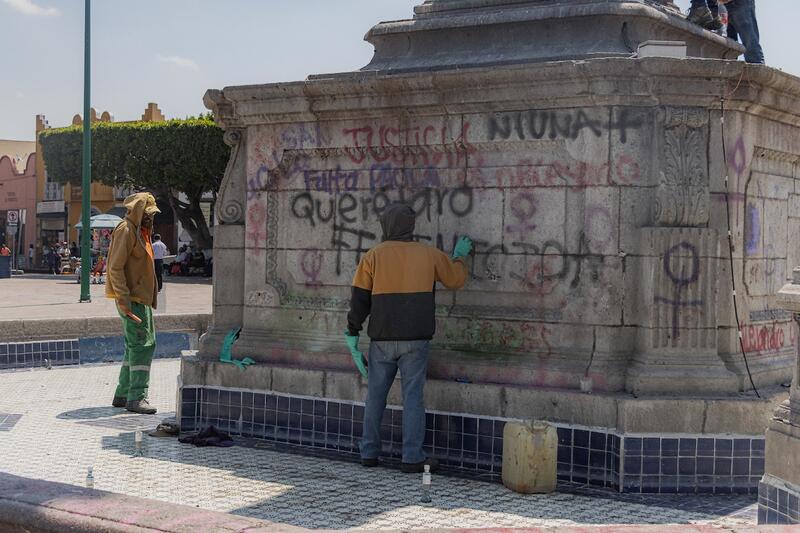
<point>753,235</point>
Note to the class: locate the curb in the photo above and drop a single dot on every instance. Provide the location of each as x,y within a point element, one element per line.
<point>37,506</point>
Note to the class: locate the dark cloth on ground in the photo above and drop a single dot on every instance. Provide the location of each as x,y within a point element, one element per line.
<point>210,436</point>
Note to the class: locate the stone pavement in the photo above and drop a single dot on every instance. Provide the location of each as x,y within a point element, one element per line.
<point>39,296</point>
<point>62,423</point>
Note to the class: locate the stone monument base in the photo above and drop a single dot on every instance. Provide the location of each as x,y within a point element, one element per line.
<point>778,498</point>
<point>628,444</point>
<point>779,491</point>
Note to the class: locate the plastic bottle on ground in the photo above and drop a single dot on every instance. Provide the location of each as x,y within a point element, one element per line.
<point>426,485</point>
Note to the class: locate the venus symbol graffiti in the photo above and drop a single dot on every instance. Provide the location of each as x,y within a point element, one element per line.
<point>682,268</point>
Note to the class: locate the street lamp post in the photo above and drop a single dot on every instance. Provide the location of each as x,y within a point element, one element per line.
<point>86,200</point>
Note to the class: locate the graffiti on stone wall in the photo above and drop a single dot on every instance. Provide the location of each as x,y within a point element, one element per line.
<point>752,242</point>
<point>764,339</point>
<point>569,124</point>
<point>445,175</point>
<point>256,234</point>
<point>764,271</point>
<point>311,267</point>
<point>682,268</point>
<point>388,144</point>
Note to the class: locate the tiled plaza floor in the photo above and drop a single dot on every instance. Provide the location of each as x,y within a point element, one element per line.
<point>64,423</point>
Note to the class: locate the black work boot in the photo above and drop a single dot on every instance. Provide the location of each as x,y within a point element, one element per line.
<point>119,401</point>
<point>370,463</point>
<point>701,16</point>
<point>416,468</point>
<point>715,25</point>
<point>141,407</point>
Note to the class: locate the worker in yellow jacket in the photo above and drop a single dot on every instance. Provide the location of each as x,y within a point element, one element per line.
<point>131,281</point>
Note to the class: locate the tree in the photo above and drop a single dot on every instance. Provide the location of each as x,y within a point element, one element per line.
<point>166,158</point>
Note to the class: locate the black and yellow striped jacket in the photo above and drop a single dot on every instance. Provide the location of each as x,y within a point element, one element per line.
<point>395,286</point>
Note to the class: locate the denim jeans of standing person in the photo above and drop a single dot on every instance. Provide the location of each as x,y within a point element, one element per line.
<point>385,358</point>
<point>742,24</point>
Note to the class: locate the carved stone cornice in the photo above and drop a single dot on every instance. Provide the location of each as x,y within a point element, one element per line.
<point>232,195</point>
<point>611,81</point>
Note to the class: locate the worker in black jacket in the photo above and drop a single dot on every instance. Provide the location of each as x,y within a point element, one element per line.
<point>395,286</point>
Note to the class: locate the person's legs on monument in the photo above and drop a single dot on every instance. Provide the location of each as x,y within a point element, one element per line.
<point>382,371</point>
<point>699,13</point>
<point>705,13</point>
<point>743,24</point>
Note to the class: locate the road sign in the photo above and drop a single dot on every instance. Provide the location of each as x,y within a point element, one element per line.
<point>12,217</point>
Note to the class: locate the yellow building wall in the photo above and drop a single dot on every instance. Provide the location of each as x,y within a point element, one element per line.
<point>102,199</point>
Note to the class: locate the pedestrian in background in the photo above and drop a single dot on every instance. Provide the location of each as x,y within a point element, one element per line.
<point>54,261</point>
<point>160,251</point>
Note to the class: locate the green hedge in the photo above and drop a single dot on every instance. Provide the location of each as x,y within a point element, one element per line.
<point>185,155</point>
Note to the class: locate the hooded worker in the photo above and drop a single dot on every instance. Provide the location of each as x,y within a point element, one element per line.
<point>395,286</point>
<point>131,281</point>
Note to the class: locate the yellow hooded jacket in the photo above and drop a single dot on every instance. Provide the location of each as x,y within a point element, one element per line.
<point>131,273</point>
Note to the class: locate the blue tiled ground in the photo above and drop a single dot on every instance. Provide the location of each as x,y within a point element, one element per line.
<point>778,505</point>
<point>16,355</point>
<point>8,421</point>
<point>60,435</point>
<point>473,446</point>
<point>38,354</point>
<point>104,349</point>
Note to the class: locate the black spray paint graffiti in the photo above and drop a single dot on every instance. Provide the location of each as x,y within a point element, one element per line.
<point>353,208</point>
<point>535,124</point>
<point>551,263</point>
<point>362,239</point>
<point>555,264</point>
<point>680,281</point>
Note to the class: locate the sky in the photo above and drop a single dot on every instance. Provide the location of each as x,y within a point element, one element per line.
<point>171,51</point>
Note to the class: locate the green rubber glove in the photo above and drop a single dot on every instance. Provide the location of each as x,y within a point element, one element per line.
<point>358,357</point>
<point>463,248</point>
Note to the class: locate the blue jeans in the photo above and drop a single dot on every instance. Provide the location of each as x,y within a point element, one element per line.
<point>385,357</point>
<point>742,24</point>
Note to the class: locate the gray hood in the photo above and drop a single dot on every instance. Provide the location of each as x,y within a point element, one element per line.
<point>398,222</point>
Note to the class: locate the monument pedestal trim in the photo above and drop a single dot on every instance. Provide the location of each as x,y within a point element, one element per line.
<point>779,492</point>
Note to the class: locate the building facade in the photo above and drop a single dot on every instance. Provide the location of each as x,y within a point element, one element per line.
<point>59,206</point>
<point>18,194</point>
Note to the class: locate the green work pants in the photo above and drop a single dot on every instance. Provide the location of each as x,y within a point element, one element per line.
<point>140,343</point>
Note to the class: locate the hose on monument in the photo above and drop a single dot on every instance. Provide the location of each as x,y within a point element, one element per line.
<point>730,247</point>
